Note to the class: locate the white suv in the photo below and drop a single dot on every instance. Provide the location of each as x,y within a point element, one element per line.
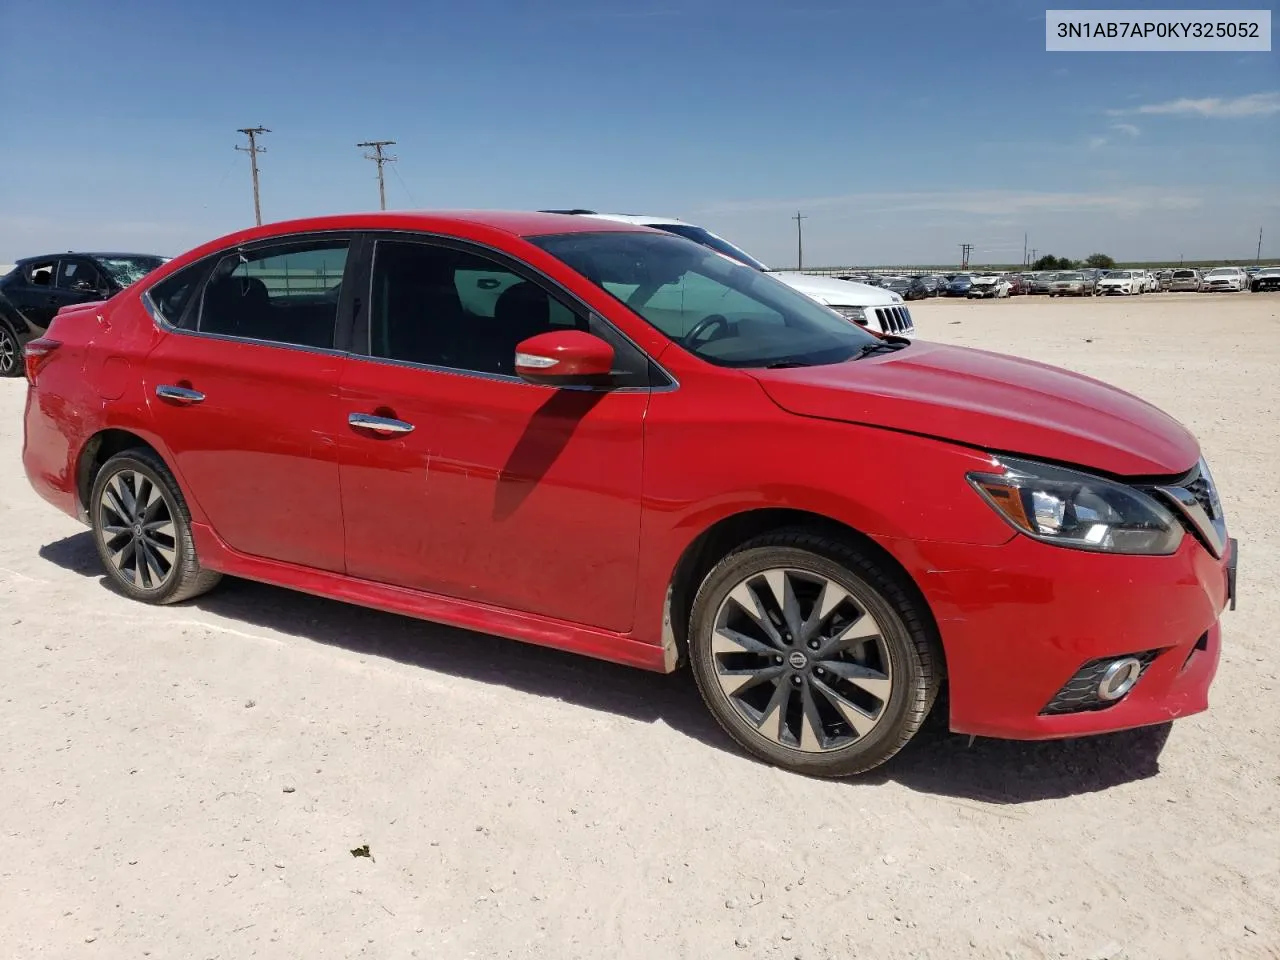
<point>872,307</point>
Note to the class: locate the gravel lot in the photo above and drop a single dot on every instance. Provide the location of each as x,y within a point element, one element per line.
<point>190,782</point>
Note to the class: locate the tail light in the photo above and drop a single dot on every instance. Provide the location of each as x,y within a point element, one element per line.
<point>36,354</point>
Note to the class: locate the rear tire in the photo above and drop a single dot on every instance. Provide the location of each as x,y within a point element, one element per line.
<point>142,529</point>
<point>10,353</point>
<point>811,656</point>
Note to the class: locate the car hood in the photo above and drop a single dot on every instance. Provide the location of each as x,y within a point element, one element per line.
<point>839,293</point>
<point>991,401</point>
<point>1117,280</point>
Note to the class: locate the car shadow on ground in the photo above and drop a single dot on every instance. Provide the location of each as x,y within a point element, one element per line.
<point>936,762</point>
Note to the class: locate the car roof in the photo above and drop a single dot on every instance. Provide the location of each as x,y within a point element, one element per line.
<point>475,225</point>
<point>515,222</point>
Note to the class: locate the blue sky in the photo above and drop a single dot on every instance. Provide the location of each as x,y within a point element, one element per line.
<point>899,130</point>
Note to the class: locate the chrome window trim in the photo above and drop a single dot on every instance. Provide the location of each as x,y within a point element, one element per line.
<point>503,377</point>
<point>164,325</point>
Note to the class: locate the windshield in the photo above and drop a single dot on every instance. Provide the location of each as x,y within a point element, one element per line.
<point>1071,276</point>
<point>726,313</point>
<point>709,239</point>
<point>1120,275</point>
<point>1184,273</point>
<point>128,270</point>
<point>1223,272</point>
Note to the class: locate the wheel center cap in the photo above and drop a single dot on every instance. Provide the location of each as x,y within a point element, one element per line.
<point>797,660</point>
<point>137,530</point>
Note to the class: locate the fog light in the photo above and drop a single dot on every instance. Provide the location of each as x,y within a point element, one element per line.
<point>1119,678</point>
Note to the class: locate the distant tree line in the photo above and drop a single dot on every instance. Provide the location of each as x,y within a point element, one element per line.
<point>1099,261</point>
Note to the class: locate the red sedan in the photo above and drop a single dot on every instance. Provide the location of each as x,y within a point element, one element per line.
<point>611,440</point>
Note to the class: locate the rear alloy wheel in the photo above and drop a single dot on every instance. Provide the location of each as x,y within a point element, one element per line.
<point>10,355</point>
<point>142,529</point>
<point>810,656</point>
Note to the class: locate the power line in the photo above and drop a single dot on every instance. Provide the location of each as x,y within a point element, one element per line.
<point>799,240</point>
<point>379,158</point>
<point>253,150</point>
<point>412,198</point>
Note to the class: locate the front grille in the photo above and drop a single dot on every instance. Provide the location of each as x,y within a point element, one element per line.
<point>1080,693</point>
<point>1203,492</point>
<point>894,319</point>
<point>1196,498</point>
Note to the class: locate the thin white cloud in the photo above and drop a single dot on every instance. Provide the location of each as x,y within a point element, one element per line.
<point>1097,143</point>
<point>1218,108</point>
<point>1128,129</point>
<point>1128,200</point>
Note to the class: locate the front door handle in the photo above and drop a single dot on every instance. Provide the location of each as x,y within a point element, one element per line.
<point>382,425</point>
<point>179,394</point>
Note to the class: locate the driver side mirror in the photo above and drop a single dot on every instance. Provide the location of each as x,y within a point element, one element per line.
<point>565,358</point>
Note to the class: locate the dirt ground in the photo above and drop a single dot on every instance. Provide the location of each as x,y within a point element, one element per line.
<point>190,782</point>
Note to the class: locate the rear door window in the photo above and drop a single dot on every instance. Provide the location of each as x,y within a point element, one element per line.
<point>283,293</point>
<point>79,276</point>
<point>40,273</point>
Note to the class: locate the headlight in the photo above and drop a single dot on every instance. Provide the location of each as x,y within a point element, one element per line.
<point>856,314</point>
<point>1078,510</point>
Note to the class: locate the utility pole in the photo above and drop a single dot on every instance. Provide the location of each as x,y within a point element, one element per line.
<point>253,150</point>
<point>1033,256</point>
<point>965,250</point>
<point>1258,258</point>
<point>378,158</point>
<point>799,240</point>
<point>1025,261</point>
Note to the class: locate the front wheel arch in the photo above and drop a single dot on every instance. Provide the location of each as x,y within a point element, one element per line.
<point>727,534</point>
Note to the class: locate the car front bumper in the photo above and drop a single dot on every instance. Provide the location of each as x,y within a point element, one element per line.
<point>1019,621</point>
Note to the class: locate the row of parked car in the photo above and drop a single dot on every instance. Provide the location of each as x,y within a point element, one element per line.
<point>1074,283</point>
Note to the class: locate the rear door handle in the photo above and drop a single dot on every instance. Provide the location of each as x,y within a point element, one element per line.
<point>383,425</point>
<point>179,394</point>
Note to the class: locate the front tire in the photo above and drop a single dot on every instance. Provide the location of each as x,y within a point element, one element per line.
<point>142,529</point>
<point>812,656</point>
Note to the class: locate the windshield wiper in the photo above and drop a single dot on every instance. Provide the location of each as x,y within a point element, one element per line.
<point>880,346</point>
<point>785,364</point>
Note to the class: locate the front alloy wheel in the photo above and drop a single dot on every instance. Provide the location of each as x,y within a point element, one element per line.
<point>811,655</point>
<point>800,661</point>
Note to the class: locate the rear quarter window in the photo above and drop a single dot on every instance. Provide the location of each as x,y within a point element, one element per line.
<point>173,296</point>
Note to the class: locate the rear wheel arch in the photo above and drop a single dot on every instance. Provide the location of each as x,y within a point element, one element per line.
<point>727,534</point>
<point>97,450</point>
